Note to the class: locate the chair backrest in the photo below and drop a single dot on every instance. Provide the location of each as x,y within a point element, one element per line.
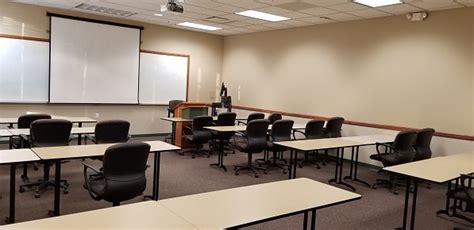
<point>173,103</point>
<point>255,116</point>
<point>124,171</point>
<point>314,129</point>
<point>423,142</point>
<point>256,132</point>
<point>200,122</point>
<point>403,146</point>
<point>226,119</point>
<point>274,117</point>
<point>281,130</point>
<point>112,131</point>
<point>24,121</point>
<point>50,132</point>
<point>333,127</point>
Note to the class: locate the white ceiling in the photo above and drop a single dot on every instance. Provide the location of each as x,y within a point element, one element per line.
<point>301,12</point>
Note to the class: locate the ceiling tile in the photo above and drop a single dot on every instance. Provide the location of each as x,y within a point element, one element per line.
<point>399,9</point>
<point>295,15</point>
<point>316,20</point>
<point>237,24</point>
<point>66,4</point>
<point>369,13</point>
<point>247,4</point>
<point>466,2</point>
<point>274,10</point>
<point>318,11</point>
<point>342,17</point>
<point>276,2</point>
<point>259,28</point>
<point>276,25</point>
<point>345,7</point>
<point>205,11</point>
<point>325,2</point>
<point>296,23</point>
<point>436,4</point>
<point>255,21</point>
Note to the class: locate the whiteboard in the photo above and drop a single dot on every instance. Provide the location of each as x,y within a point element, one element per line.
<point>93,62</point>
<point>162,78</point>
<point>24,70</point>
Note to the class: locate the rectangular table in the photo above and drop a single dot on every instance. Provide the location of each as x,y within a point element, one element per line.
<point>142,215</point>
<point>438,170</point>
<point>79,120</point>
<point>79,131</point>
<point>12,157</point>
<point>319,144</point>
<point>5,133</point>
<point>58,154</point>
<point>245,206</point>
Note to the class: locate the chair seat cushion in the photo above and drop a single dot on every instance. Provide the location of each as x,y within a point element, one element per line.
<point>240,143</point>
<point>97,185</point>
<point>16,141</point>
<point>388,159</point>
<point>462,194</point>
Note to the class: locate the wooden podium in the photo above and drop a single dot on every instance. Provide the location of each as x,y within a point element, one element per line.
<point>178,112</point>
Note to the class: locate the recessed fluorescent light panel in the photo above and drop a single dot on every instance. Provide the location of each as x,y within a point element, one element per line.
<point>198,26</point>
<point>378,3</point>
<point>262,16</point>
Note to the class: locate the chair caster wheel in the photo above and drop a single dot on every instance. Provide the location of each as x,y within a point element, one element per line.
<point>318,167</point>
<point>35,168</point>
<point>374,187</point>
<point>65,192</point>
<point>50,213</point>
<point>21,190</point>
<point>301,166</point>
<point>265,172</point>
<point>236,174</point>
<point>37,195</point>
<point>256,176</point>
<point>284,172</point>
<point>193,157</point>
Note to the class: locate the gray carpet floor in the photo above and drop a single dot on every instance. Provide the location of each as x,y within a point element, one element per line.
<point>182,175</point>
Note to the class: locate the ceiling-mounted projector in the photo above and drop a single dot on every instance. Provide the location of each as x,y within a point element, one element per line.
<point>173,7</point>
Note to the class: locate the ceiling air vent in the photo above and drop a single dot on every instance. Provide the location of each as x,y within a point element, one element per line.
<point>105,10</point>
<point>216,19</point>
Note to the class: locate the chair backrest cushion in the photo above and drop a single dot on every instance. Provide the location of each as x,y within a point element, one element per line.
<point>281,130</point>
<point>226,119</point>
<point>423,142</point>
<point>50,132</point>
<point>112,131</point>
<point>255,116</point>
<point>173,103</point>
<point>403,146</point>
<point>24,121</point>
<point>274,117</point>
<point>124,168</point>
<point>334,126</point>
<point>314,129</point>
<point>256,132</point>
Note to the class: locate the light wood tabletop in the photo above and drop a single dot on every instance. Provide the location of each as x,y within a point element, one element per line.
<point>438,169</point>
<point>5,133</point>
<point>9,156</point>
<point>79,151</point>
<point>315,144</point>
<point>371,139</point>
<point>74,130</point>
<point>14,120</point>
<point>240,128</point>
<point>175,119</point>
<point>250,204</point>
<point>143,215</point>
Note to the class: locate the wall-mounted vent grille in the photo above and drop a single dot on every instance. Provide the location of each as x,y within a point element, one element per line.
<point>105,10</point>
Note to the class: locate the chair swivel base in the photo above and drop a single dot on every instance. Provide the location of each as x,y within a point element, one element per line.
<point>42,185</point>
<point>249,168</point>
<point>386,183</point>
<point>196,151</point>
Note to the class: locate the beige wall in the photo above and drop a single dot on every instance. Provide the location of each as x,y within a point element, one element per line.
<point>385,70</point>
<point>206,65</point>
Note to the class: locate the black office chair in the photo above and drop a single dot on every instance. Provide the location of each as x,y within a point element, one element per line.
<point>274,117</point>
<point>47,133</point>
<point>314,129</point>
<point>254,140</point>
<point>123,173</point>
<point>172,105</point>
<point>223,119</point>
<point>465,194</point>
<point>332,130</point>
<point>200,135</point>
<point>17,142</point>
<point>110,131</point>
<point>251,117</point>
<point>399,152</point>
<point>281,131</point>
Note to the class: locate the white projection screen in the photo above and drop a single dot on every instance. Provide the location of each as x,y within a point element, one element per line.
<point>93,62</point>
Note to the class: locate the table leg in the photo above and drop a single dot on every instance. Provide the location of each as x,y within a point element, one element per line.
<point>353,174</point>
<point>305,220</point>
<point>57,186</point>
<point>220,157</point>
<point>413,206</point>
<point>173,131</point>
<point>156,175</point>
<point>11,218</point>
<point>339,166</point>
<point>313,219</point>
<point>290,165</point>
<point>407,198</point>
<point>79,136</point>
<point>295,163</point>
<point>448,203</point>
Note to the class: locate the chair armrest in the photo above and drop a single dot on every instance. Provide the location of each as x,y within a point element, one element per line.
<point>241,122</point>
<point>298,131</point>
<point>239,133</point>
<point>377,145</point>
<point>87,180</point>
<point>24,138</point>
<point>90,137</point>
